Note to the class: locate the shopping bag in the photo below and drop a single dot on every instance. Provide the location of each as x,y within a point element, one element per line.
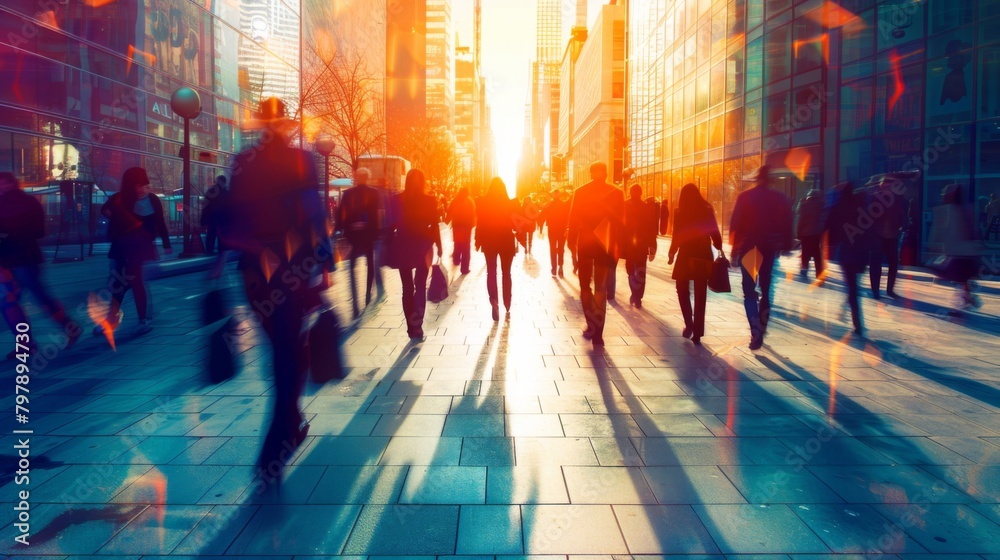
<point>438,290</point>
<point>325,341</point>
<point>718,280</point>
<point>221,361</point>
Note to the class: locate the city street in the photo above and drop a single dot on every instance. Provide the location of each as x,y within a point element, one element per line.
<point>516,438</point>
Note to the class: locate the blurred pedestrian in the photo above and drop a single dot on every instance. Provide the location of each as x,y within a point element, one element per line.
<point>850,245</point>
<point>22,224</point>
<point>992,217</point>
<point>135,219</point>
<point>417,232</point>
<point>529,213</point>
<point>953,232</point>
<point>215,214</point>
<point>811,221</point>
<point>359,217</point>
<point>695,233</point>
<point>595,220</point>
<point>462,217</point>
<point>639,243</point>
<point>495,237</point>
<point>556,218</point>
<point>760,228</point>
<point>281,231</point>
<point>887,228</point>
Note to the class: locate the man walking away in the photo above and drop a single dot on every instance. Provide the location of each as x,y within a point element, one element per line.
<point>810,231</point>
<point>214,214</point>
<point>760,228</point>
<point>595,221</point>
<point>359,218</point>
<point>887,229</point>
<point>556,217</point>
<point>639,243</point>
<point>462,217</point>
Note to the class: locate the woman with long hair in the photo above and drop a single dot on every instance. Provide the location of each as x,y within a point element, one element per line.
<point>416,233</point>
<point>135,220</point>
<point>495,237</point>
<point>695,232</point>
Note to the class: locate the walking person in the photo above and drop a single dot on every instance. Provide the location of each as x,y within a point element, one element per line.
<point>214,214</point>
<point>495,237</point>
<point>850,245</point>
<point>639,243</point>
<point>556,217</point>
<point>887,229</point>
<point>416,232</point>
<point>281,230</point>
<point>135,220</point>
<point>809,229</point>
<point>760,228</point>
<point>462,217</point>
<point>595,220</point>
<point>695,233</point>
<point>359,217</point>
<point>954,234</point>
<point>22,224</point>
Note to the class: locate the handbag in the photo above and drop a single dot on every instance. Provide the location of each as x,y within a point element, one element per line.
<point>221,361</point>
<point>438,290</point>
<point>718,279</point>
<point>325,342</point>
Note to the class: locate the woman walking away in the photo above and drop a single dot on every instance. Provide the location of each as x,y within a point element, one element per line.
<point>954,234</point>
<point>695,232</point>
<point>135,220</point>
<point>495,237</point>
<point>850,246</point>
<point>417,232</point>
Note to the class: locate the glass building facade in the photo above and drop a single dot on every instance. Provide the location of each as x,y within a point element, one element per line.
<point>87,85</point>
<point>822,91</point>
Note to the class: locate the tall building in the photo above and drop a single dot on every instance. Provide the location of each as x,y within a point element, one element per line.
<point>822,92</point>
<point>567,107</point>
<point>466,110</point>
<point>440,64</point>
<point>406,70</point>
<point>545,83</point>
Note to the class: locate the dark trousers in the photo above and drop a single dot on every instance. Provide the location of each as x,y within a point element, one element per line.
<point>693,320</point>
<point>463,248</point>
<point>595,268</point>
<point>890,249</point>
<point>758,312</point>
<point>812,249</point>
<point>851,274</point>
<point>636,269</point>
<point>367,250</point>
<point>283,326</point>
<point>28,278</point>
<point>505,260</point>
<point>127,274</point>
<point>414,298</point>
<point>612,278</point>
<point>557,249</point>
<point>211,234</point>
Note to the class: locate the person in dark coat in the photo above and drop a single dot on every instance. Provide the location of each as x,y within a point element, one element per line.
<point>22,224</point>
<point>214,215</point>
<point>556,217</point>
<point>887,229</point>
<point>811,221</point>
<point>135,219</point>
<point>495,238</point>
<point>638,243</point>
<point>281,232</point>
<point>462,217</point>
<point>417,232</point>
<point>360,217</point>
<point>761,227</point>
<point>695,233</point>
<point>595,220</point>
<point>850,245</point>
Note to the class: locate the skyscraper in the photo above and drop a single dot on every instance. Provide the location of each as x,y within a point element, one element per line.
<point>440,64</point>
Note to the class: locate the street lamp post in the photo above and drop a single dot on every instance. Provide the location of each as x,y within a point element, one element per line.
<point>325,146</point>
<point>187,103</point>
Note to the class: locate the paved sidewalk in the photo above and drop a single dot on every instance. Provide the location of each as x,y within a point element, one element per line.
<point>515,439</point>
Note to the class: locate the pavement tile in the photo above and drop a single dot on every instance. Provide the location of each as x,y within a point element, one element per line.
<point>444,485</point>
<point>296,529</point>
<point>944,528</point>
<point>487,451</point>
<point>779,484</point>
<point>405,529</point>
<point>489,529</point>
<point>439,451</point>
<point>663,529</point>
<point>60,529</point>
<point>616,452</point>
<point>171,484</point>
<point>751,528</point>
<point>359,485</point>
<point>345,451</point>
<point>157,530</point>
<point>593,425</point>
<point>533,484</point>
<point>571,529</point>
<point>605,485</point>
<point>87,484</point>
<point>533,425</point>
<point>855,529</point>
<point>691,485</point>
<point>554,451</point>
<point>882,484</point>
<point>687,451</point>
<point>475,425</point>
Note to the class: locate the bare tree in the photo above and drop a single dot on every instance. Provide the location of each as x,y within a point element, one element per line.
<point>431,148</point>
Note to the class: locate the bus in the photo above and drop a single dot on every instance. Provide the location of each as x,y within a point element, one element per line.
<point>387,171</point>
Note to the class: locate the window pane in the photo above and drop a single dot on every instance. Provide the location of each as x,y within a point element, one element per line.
<point>899,101</point>
<point>778,62</point>
<point>949,90</point>
<point>856,110</point>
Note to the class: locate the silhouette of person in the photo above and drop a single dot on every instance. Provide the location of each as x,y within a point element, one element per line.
<point>595,220</point>
<point>282,234</point>
<point>556,217</point>
<point>850,245</point>
<point>22,224</point>
<point>638,242</point>
<point>462,216</point>
<point>360,217</point>
<point>888,227</point>
<point>135,220</point>
<point>811,222</point>
<point>695,232</point>
<point>417,232</point>
<point>214,215</point>
<point>760,228</point>
<point>954,88</point>
<point>954,233</point>
<point>495,234</point>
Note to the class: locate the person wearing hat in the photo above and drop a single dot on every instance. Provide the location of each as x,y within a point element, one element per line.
<point>280,228</point>
<point>135,220</point>
<point>760,228</point>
